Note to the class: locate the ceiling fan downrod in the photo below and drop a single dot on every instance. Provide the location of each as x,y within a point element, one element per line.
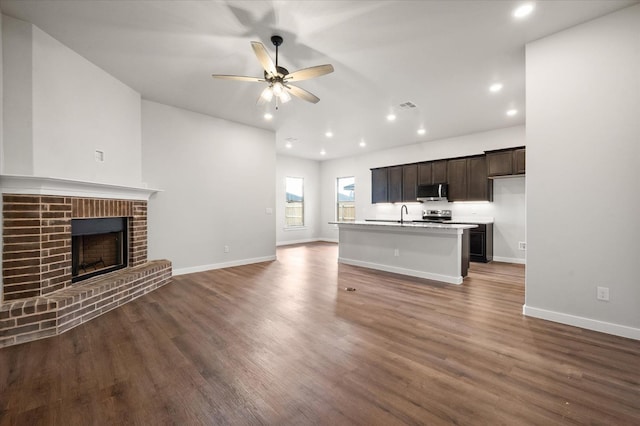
<point>277,41</point>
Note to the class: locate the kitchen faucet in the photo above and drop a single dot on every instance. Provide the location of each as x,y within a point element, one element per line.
<point>403,209</point>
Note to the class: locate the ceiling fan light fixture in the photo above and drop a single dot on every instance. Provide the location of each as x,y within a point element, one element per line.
<point>267,94</point>
<point>284,96</point>
<point>277,88</point>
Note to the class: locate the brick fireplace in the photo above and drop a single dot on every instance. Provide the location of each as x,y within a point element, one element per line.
<point>39,298</point>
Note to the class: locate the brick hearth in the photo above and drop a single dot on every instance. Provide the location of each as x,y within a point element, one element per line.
<point>38,298</point>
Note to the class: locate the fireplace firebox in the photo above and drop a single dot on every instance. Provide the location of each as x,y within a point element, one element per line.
<point>98,246</point>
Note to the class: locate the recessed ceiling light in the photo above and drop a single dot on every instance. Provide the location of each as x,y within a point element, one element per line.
<point>323,152</point>
<point>288,145</point>
<point>268,116</point>
<point>363,144</point>
<point>523,10</point>
<point>329,134</point>
<point>495,87</point>
<point>422,131</point>
<point>512,112</point>
<point>391,117</point>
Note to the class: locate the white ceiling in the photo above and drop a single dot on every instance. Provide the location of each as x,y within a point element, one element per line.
<point>440,55</point>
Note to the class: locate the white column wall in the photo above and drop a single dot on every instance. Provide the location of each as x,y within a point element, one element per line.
<point>17,100</point>
<point>583,174</point>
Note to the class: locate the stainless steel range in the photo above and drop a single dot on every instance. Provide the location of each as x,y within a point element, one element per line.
<point>436,215</point>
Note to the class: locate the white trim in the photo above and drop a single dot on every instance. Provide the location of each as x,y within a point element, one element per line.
<point>240,262</point>
<point>328,240</point>
<point>35,185</point>
<point>403,271</point>
<point>510,260</point>
<point>582,322</point>
<point>307,240</point>
<point>291,242</point>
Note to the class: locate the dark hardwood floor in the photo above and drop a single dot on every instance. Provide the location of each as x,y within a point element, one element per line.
<point>283,343</point>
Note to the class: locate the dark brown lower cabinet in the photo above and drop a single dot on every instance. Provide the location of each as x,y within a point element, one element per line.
<point>481,243</point>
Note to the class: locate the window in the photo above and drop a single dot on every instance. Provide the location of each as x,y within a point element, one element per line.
<point>294,209</point>
<point>346,211</point>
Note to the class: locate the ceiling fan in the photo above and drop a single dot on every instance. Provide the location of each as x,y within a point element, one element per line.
<point>278,78</point>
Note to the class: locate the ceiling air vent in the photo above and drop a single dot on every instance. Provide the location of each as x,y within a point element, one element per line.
<point>407,105</point>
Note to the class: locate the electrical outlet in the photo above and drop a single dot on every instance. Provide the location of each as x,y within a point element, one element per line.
<point>522,245</point>
<point>99,156</point>
<point>227,249</point>
<point>268,210</point>
<point>603,293</point>
<point>396,252</point>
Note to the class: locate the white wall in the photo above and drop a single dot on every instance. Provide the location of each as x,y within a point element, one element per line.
<point>218,180</point>
<point>507,208</point>
<point>17,83</point>
<point>309,170</point>
<point>60,108</point>
<point>583,174</point>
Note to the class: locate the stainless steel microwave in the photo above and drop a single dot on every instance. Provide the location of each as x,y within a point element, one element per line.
<point>436,192</point>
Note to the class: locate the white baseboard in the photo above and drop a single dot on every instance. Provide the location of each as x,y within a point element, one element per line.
<point>582,322</point>
<point>510,260</point>
<point>403,271</point>
<point>308,240</point>
<point>202,268</point>
<point>292,242</point>
<point>328,240</point>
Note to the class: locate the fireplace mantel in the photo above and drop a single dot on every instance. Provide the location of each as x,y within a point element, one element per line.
<point>34,185</point>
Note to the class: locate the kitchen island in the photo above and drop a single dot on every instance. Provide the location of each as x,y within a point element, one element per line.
<point>426,250</point>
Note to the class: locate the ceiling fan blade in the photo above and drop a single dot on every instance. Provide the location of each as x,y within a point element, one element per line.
<point>303,94</point>
<point>264,58</point>
<point>311,72</point>
<point>237,77</point>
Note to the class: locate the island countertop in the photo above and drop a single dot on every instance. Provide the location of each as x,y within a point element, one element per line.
<point>435,251</point>
<point>407,224</point>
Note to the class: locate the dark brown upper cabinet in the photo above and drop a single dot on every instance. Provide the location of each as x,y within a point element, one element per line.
<point>409,182</point>
<point>379,186</point>
<point>432,172</point>
<point>519,161</point>
<point>395,184</point>
<point>506,162</point>
<point>468,181</point>
<point>439,171</point>
<point>424,173</point>
<point>457,179</point>
<point>479,187</point>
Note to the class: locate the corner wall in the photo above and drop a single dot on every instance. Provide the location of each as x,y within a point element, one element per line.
<point>217,179</point>
<point>59,108</point>
<point>583,174</point>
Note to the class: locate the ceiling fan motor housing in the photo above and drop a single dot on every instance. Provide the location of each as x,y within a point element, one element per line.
<point>276,40</point>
